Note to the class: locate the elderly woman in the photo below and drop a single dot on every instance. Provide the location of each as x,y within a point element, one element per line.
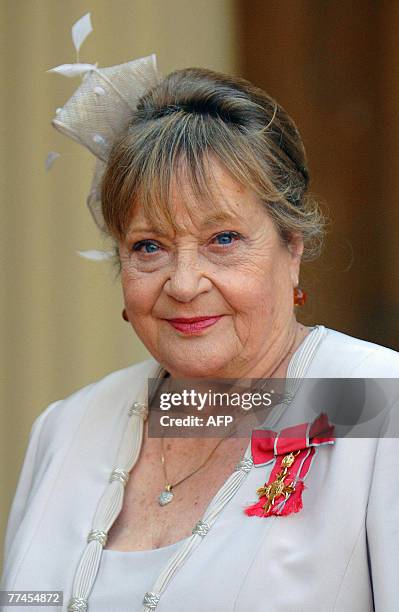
<point>205,196</point>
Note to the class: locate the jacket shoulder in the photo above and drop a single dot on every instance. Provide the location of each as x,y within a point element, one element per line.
<point>99,403</point>
<point>88,421</point>
<point>354,357</point>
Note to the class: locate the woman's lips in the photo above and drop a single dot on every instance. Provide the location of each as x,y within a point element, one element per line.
<point>193,325</point>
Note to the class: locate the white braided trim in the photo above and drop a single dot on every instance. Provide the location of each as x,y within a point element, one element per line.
<point>99,536</point>
<point>297,368</point>
<point>139,408</point>
<point>109,507</point>
<point>151,600</point>
<point>302,359</point>
<point>245,464</point>
<point>201,528</point>
<point>77,604</point>
<point>120,475</point>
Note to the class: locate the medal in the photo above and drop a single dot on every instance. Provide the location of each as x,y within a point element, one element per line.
<point>292,451</point>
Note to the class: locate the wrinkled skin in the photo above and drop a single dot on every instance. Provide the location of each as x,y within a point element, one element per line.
<point>237,267</point>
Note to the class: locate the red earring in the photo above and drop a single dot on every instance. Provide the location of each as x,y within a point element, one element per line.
<point>299,297</point>
<point>124,315</point>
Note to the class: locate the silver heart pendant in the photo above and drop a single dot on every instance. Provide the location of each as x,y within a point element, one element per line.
<point>165,498</point>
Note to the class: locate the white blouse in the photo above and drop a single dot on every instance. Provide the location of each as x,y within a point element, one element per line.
<point>339,553</point>
<point>124,577</point>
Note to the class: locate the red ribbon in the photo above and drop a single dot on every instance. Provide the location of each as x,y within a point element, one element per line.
<point>301,440</point>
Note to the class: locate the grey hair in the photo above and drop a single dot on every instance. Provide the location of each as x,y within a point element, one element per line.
<point>192,115</point>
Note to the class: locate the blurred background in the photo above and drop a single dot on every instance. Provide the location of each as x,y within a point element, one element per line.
<point>333,65</point>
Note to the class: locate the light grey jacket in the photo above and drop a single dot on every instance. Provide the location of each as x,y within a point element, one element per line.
<point>339,553</point>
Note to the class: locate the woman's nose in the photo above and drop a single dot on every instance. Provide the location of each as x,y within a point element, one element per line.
<point>187,279</point>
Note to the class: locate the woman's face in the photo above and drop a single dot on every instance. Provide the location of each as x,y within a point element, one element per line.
<point>215,298</point>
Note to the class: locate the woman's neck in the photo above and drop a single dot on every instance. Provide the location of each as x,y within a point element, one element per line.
<point>293,342</point>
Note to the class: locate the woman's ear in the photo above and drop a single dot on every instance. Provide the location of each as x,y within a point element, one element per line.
<point>295,247</point>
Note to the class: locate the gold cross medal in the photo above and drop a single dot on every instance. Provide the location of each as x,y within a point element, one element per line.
<point>282,486</point>
<point>278,487</point>
<point>292,450</point>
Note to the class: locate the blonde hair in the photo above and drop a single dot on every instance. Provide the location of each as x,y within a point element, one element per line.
<point>194,113</point>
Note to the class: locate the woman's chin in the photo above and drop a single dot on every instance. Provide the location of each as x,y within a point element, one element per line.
<point>194,372</point>
<point>203,357</point>
<point>195,368</point>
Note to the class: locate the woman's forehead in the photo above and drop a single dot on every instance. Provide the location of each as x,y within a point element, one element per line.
<point>181,214</point>
<point>223,200</point>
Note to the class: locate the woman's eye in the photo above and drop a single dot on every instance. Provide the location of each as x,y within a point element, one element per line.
<point>146,246</point>
<point>226,238</point>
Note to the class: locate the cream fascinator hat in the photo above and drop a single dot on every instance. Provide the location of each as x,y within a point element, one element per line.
<point>99,111</point>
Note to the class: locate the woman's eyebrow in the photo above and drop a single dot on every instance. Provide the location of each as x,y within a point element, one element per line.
<point>147,229</point>
<point>217,218</point>
<point>214,219</point>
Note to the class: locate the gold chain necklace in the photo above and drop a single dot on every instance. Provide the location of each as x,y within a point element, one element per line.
<point>166,496</point>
